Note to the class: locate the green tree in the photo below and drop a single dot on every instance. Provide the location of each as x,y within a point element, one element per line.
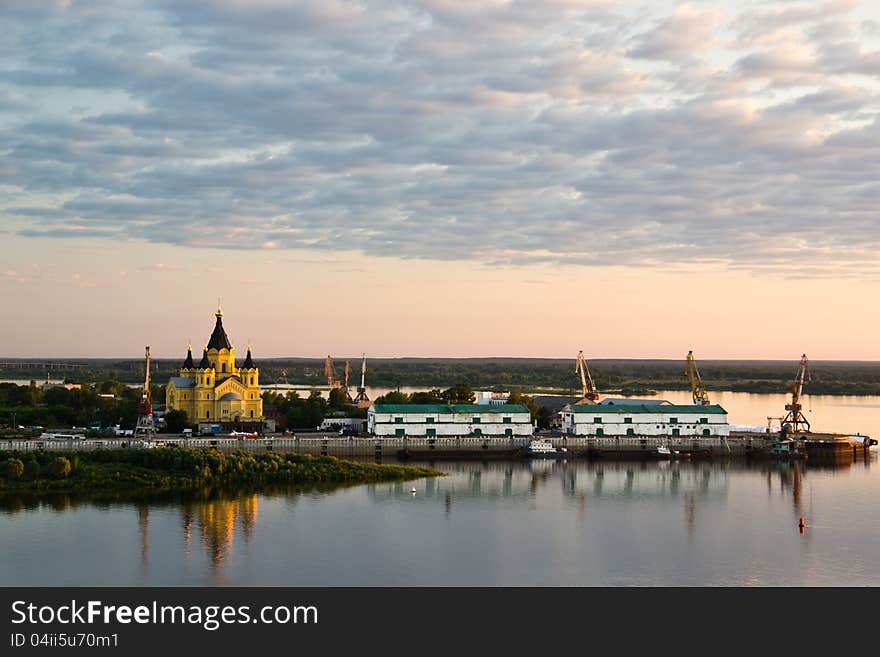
<point>434,396</point>
<point>59,467</point>
<point>393,397</point>
<point>176,420</point>
<point>338,399</point>
<point>516,397</point>
<point>13,469</point>
<point>459,394</point>
<point>32,469</point>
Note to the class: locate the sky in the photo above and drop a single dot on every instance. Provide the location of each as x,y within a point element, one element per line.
<point>441,177</point>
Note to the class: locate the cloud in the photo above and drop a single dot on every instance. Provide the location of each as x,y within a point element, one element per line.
<point>573,133</point>
<point>686,32</point>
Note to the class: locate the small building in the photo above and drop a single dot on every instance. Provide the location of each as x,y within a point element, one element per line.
<point>491,397</point>
<point>494,420</point>
<point>645,420</point>
<point>631,401</point>
<point>553,404</point>
<point>356,424</point>
<point>49,384</point>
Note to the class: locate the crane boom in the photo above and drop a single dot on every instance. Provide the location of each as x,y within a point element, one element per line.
<point>794,416</point>
<point>588,387</point>
<point>145,427</point>
<point>698,390</point>
<point>362,400</point>
<point>347,378</point>
<point>330,373</point>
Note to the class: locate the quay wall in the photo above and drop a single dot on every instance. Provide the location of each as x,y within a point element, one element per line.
<point>342,446</point>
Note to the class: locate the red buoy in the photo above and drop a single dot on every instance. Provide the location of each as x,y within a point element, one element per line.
<point>801,524</point>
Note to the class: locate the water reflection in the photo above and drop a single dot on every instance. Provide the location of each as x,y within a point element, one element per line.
<point>590,503</point>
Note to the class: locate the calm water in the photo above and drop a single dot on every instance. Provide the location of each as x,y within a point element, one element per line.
<point>486,524</point>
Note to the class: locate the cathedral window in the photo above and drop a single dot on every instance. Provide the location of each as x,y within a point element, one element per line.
<point>223,367</point>
<point>252,380</point>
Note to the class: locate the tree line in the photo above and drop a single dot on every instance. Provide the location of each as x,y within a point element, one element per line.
<point>829,377</point>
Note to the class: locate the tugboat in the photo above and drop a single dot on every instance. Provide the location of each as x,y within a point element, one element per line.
<point>544,449</point>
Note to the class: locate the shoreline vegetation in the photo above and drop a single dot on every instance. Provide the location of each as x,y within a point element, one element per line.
<point>171,470</point>
<point>528,375</point>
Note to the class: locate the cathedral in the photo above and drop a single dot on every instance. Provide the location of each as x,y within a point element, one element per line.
<point>216,390</point>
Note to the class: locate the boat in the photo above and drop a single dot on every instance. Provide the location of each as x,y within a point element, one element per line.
<point>544,449</point>
<point>666,452</point>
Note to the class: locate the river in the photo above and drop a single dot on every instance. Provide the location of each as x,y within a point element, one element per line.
<point>549,523</point>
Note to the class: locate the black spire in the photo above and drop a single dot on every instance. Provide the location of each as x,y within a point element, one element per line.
<point>219,340</point>
<point>205,364</point>
<point>188,363</point>
<point>249,362</point>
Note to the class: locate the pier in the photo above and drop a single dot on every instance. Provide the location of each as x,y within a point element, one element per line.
<point>738,444</point>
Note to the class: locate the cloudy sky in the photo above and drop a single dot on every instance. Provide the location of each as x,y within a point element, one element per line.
<point>441,177</point>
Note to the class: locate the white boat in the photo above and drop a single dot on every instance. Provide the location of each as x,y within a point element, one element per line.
<point>541,448</point>
<point>663,451</point>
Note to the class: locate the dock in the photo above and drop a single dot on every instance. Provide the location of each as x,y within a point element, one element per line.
<point>738,444</point>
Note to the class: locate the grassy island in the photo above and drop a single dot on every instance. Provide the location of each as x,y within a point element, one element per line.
<point>174,469</point>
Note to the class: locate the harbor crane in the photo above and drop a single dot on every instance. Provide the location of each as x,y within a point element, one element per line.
<point>345,387</point>
<point>362,400</point>
<point>145,429</point>
<point>698,390</point>
<point>794,419</point>
<point>330,373</point>
<point>588,387</point>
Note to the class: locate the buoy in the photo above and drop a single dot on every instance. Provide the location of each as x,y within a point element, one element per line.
<point>801,524</point>
<point>413,491</point>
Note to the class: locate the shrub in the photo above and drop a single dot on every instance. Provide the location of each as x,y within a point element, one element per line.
<point>32,469</point>
<point>13,469</point>
<point>59,468</point>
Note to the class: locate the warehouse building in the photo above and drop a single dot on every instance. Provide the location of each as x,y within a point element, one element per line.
<point>491,420</point>
<point>645,420</point>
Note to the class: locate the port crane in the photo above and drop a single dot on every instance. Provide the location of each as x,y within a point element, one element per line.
<point>330,373</point>
<point>588,387</point>
<point>145,429</point>
<point>795,418</point>
<point>362,400</point>
<point>698,390</point>
<point>345,387</point>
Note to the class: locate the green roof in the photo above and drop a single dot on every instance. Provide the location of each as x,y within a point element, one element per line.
<point>449,408</point>
<point>635,409</point>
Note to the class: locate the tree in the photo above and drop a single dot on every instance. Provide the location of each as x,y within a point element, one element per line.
<point>13,469</point>
<point>516,397</point>
<point>459,394</point>
<point>393,397</point>
<point>338,398</point>
<point>32,469</point>
<point>59,468</point>
<point>176,420</point>
<point>434,396</point>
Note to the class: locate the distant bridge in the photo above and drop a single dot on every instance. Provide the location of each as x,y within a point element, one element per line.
<point>25,365</point>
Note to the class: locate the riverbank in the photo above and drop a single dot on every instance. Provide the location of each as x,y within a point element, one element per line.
<point>183,469</point>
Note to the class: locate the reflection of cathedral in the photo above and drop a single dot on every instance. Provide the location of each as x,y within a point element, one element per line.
<point>216,521</point>
<point>217,390</point>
